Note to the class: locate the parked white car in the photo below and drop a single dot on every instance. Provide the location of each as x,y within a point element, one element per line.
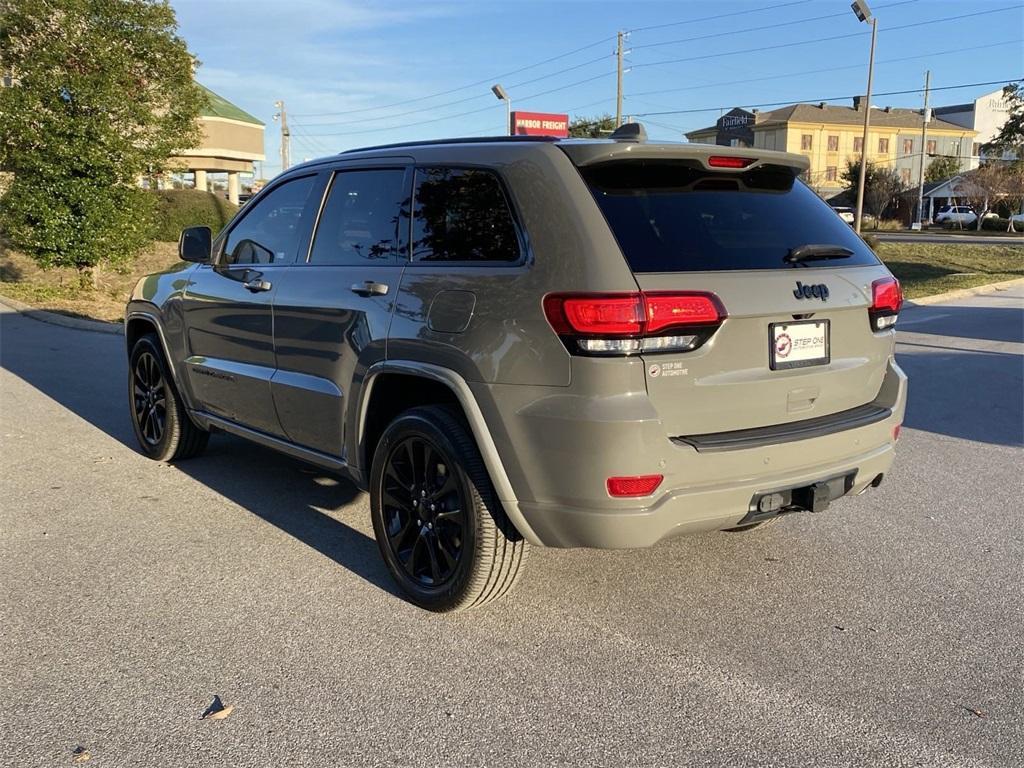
<point>846,214</point>
<point>964,214</point>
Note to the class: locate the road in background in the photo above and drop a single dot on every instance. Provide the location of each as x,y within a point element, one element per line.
<point>886,631</point>
<point>957,239</point>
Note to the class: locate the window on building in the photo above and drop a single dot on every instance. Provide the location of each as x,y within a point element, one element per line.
<point>858,144</point>
<point>883,146</point>
<point>976,149</point>
<point>905,176</point>
<point>908,146</point>
<point>831,173</point>
<point>931,146</point>
<point>833,143</point>
<point>806,141</point>
<point>462,215</point>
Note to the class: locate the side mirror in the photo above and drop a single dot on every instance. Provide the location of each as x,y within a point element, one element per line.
<point>195,244</point>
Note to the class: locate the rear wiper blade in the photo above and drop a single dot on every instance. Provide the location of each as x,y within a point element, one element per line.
<point>815,252</point>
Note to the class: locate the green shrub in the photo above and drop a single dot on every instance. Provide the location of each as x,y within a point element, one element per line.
<point>76,222</point>
<point>180,208</point>
<point>996,224</point>
<point>891,225</point>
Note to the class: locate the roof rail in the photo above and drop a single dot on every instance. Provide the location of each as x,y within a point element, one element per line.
<point>463,140</point>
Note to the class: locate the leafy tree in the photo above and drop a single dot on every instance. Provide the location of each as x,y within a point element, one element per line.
<point>1011,136</point>
<point>591,127</point>
<point>101,93</point>
<point>991,182</point>
<point>881,186</point>
<point>942,168</point>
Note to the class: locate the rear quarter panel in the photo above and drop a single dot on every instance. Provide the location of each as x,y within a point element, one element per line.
<point>568,247</point>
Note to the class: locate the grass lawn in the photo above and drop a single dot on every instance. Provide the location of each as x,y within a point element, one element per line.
<point>923,269</point>
<point>929,268</point>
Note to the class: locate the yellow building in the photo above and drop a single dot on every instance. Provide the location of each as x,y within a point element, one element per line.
<point>830,136</point>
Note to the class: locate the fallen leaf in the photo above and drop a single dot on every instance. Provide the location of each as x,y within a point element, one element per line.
<point>216,710</point>
<point>81,754</point>
<point>220,714</point>
<point>841,629</point>
<point>975,712</point>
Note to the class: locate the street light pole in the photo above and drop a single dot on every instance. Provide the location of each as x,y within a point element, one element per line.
<point>502,94</point>
<point>864,14</point>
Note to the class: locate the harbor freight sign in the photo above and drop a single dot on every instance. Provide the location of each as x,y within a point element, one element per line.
<point>540,124</point>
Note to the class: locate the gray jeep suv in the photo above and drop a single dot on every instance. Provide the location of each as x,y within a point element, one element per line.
<point>517,341</point>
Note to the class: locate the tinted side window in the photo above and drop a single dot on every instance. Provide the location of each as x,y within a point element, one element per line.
<point>359,222</point>
<point>269,233</point>
<point>462,215</point>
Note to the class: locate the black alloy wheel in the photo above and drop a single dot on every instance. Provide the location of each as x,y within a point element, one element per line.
<point>424,508</point>
<point>160,420</point>
<point>149,394</point>
<point>441,530</point>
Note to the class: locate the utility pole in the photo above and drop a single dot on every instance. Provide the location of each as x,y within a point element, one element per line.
<point>286,136</point>
<point>925,116</point>
<point>867,122</point>
<point>618,86</point>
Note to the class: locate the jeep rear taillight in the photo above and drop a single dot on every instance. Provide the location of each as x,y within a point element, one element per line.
<point>633,323</point>
<point>886,300</point>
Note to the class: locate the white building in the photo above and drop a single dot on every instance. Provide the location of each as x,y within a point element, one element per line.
<point>986,115</point>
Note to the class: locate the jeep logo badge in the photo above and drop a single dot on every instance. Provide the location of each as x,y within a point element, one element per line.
<point>819,291</point>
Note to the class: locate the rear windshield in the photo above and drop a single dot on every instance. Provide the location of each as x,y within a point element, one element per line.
<point>675,217</point>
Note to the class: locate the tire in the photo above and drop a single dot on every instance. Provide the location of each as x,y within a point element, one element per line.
<point>459,552</point>
<point>162,426</point>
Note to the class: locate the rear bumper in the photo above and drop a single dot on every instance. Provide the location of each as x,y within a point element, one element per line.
<point>566,447</point>
<point>689,510</point>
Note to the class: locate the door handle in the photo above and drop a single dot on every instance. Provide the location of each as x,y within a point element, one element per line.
<point>257,284</point>
<point>370,288</point>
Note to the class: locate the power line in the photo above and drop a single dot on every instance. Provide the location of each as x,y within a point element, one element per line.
<point>763,27</point>
<point>762,48</point>
<point>474,97</point>
<point>485,81</point>
<point>747,12</point>
<point>460,114</point>
<point>820,71</point>
<point>830,98</point>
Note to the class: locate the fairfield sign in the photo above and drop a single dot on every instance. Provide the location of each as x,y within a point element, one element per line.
<point>540,124</point>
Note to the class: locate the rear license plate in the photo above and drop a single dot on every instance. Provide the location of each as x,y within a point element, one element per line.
<point>798,344</point>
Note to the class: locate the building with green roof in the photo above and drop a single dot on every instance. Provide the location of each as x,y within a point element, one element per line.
<point>232,143</point>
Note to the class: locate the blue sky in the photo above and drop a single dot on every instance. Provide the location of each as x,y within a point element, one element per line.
<point>357,73</point>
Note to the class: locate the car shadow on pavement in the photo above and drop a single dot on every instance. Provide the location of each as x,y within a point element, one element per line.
<point>1005,324</point>
<point>966,380</point>
<point>302,500</point>
<point>86,372</point>
<point>973,395</point>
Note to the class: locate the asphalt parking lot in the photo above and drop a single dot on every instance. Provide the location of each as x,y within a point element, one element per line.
<point>887,631</point>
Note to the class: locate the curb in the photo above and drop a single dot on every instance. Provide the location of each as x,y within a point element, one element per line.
<point>963,292</point>
<point>55,318</point>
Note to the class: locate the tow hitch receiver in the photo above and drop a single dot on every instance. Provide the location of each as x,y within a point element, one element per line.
<point>808,498</point>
